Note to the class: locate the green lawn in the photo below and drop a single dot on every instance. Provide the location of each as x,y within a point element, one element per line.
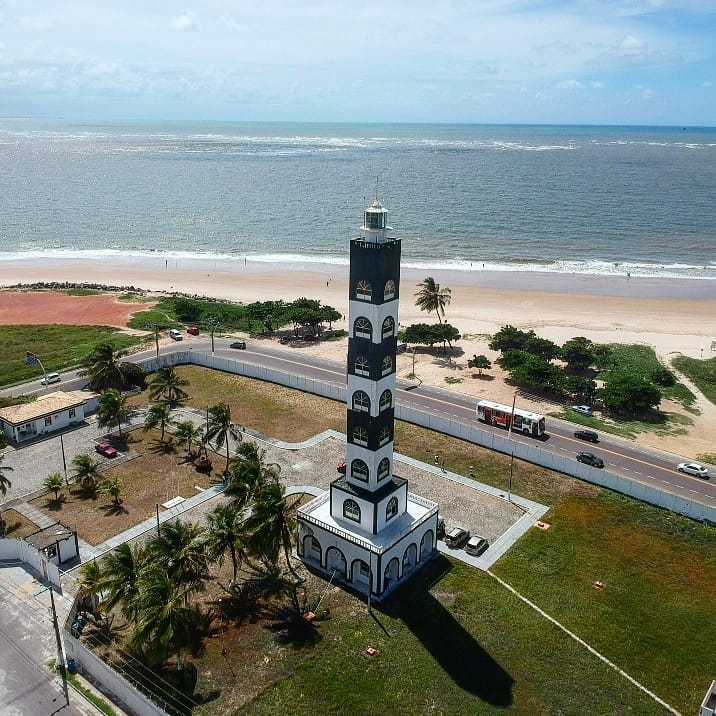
<point>59,347</point>
<point>162,313</point>
<point>662,424</point>
<point>701,372</point>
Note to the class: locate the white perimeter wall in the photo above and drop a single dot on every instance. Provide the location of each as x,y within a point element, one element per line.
<point>19,550</point>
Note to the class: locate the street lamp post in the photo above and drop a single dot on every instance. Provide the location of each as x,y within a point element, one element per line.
<point>512,447</point>
<point>33,360</point>
<point>155,327</point>
<point>214,324</point>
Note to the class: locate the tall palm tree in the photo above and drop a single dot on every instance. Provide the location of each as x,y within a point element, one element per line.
<point>5,485</point>
<point>180,550</point>
<point>249,473</point>
<point>158,416</point>
<point>225,527</point>
<point>220,428</point>
<point>187,434</point>
<point>53,483</point>
<point>272,522</point>
<point>112,409</point>
<point>430,297</point>
<point>113,489</point>
<point>167,385</point>
<point>121,570</point>
<point>103,368</point>
<point>86,472</point>
<point>91,581</point>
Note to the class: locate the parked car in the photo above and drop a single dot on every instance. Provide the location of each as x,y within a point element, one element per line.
<point>441,528</point>
<point>193,331</point>
<point>590,459</point>
<point>582,410</point>
<point>476,545</point>
<point>238,345</point>
<point>401,348</point>
<point>175,335</point>
<point>106,449</point>
<point>588,435</point>
<point>693,468</point>
<point>457,537</point>
<point>51,378</point>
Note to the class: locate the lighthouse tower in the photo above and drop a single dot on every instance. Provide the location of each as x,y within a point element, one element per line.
<point>368,530</point>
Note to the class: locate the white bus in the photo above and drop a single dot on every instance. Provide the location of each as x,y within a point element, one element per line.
<point>498,414</point>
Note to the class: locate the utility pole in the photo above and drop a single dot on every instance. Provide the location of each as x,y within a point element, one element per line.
<point>156,328</point>
<point>64,461</point>
<point>512,447</point>
<point>60,655</point>
<point>157,519</point>
<point>33,360</point>
<point>213,324</point>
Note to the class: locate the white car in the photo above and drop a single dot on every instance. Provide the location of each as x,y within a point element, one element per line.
<point>175,335</point>
<point>51,378</point>
<point>693,468</point>
<point>582,410</point>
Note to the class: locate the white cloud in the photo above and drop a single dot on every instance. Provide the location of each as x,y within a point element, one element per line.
<point>647,93</point>
<point>569,85</point>
<point>707,83</point>
<point>597,84</point>
<point>184,23</point>
<point>630,46</point>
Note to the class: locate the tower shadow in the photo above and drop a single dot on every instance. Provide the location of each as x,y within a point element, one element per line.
<point>467,663</point>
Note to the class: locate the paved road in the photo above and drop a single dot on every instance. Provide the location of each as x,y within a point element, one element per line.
<point>647,466</point>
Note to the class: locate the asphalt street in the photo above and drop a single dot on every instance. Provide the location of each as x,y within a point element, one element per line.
<point>647,466</point>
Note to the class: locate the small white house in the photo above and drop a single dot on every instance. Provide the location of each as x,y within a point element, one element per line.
<point>57,542</point>
<point>708,706</point>
<point>48,414</point>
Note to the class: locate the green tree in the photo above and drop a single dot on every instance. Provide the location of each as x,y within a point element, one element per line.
<point>542,347</point>
<point>188,434</point>
<point>430,333</point>
<point>158,416</point>
<point>121,570</point>
<point>220,429</point>
<point>578,353</point>
<point>581,388</point>
<point>430,297</point>
<point>168,386</point>
<point>480,363</point>
<point>113,489</point>
<point>134,375</point>
<point>536,372</point>
<point>103,369</point>
<point>112,410</point>
<point>509,338</point>
<point>53,483</point>
<point>86,472</point>
<point>630,394</point>
<point>512,359</point>
<point>225,528</point>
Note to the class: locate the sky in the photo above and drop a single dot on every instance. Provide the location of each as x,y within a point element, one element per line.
<point>481,61</point>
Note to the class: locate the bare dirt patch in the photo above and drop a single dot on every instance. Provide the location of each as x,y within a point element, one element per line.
<point>54,307</point>
<point>17,526</point>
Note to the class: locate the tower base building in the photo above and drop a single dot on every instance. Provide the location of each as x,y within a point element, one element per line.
<point>368,531</point>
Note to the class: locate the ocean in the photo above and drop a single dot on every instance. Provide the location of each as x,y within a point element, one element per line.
<point>594,200</point>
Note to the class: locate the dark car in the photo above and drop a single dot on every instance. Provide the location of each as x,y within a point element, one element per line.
<point>476,545</point>
<point>239,345</point>
<point>589,459</point>
<point>456,537</point>
<point>588,435</point>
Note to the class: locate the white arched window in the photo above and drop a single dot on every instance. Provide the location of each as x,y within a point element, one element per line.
<point>384,436</point>
<point>359,470</point>
<point>387,365</point>
<point>388,327</point>
<point>383,469</point>
<point>392,508</point>
<point>362,366</point>
<point>351,510</point>
<point>362,328</point>
<point>386,400</point>
<point>361,401</point>
<point>360,436</point>
<point>363,291</point>
<point>389,290</point>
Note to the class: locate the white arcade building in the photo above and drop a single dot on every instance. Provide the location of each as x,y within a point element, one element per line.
<point>368,531</point>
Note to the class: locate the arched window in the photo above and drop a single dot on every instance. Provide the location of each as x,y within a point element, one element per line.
<point>361,401</point>
<point>384,436</point>
<point>363,291</point>
<point>387,365</point>
<point>386,400</point>
<point>360,436</point>
<point>362,366</point>
<point>389,290</point>
<point>391,510</point>
<point>362,328</point>
<point>383,469</point>
<point>388,327</point>
<point>359,470</point>
<point>351,510</point>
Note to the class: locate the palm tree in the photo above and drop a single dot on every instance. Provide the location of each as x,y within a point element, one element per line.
<point>103,368</point>
<point>220,428</point>
<point>5,484</point>
<point>179,549</point>
<point>272,522</point>
<point>187,433</point>
<point>113,489</point>
<point>121,570</point>
<point>86,472</point>
<point>168,386</point>
<point>112,408</point>
<point>158,416</point>
<point>91,581</point>
<point>53,483</point>
<point>249,473</point>
<point>224,531</point>
<point>430,297</point>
